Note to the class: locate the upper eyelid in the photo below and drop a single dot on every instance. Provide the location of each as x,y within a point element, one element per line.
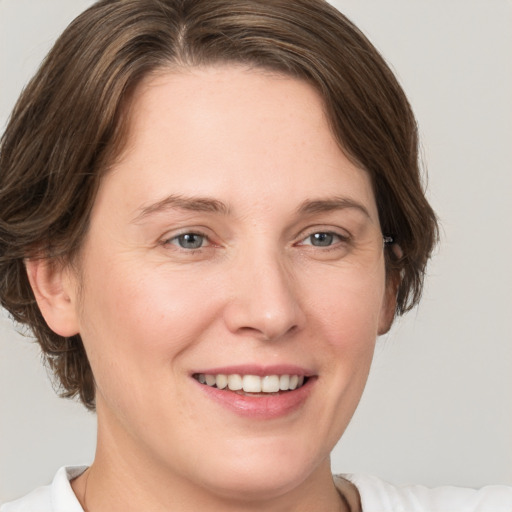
<point>305,233</point>
<point>341,240</point>
<point>174,233</point>
<point>300,235</point>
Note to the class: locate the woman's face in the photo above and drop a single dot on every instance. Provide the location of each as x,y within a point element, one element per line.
<point>232,239</point>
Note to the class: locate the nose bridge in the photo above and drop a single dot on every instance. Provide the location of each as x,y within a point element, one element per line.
<point>264,299</point>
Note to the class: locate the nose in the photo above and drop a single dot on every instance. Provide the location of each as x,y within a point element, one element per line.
<point>264,300</point>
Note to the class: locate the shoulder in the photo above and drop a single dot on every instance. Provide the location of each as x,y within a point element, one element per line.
<point>380,496</point>
<point>57,497</point>
<point>36,501</point>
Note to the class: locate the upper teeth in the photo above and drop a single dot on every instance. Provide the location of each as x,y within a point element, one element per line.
<point>252,383</point>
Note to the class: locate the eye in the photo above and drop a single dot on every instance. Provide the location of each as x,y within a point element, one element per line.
<point>322,239</point>
<point>189,241</point>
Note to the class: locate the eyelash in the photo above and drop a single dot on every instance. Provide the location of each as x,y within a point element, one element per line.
<point>175,240</point>
<point>336,239</point>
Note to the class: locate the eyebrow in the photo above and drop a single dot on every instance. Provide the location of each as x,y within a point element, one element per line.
<point>194,204</point>
<point>210,205</point>
<point>314,206</point>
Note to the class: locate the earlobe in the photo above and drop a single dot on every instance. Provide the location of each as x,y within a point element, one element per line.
<point>55,295</point>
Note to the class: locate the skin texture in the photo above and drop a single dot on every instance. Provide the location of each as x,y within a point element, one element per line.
<point>255,147</point>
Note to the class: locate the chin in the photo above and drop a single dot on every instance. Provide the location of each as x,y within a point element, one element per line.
<point>256,484</point>
<point>263,472</point>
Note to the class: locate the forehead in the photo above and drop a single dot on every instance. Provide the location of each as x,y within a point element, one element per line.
<point>228,101</point>
<point>233,133</point>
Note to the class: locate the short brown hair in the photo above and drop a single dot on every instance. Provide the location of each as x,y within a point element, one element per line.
<point>70,123</point>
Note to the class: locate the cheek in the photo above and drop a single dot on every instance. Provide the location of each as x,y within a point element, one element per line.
<point>344,321</point>
<point>135,323</point>
<point>128,299</point>
<point>349,306</point>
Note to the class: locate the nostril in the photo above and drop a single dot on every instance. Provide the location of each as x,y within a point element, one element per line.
<point>266,334</point>
<point>264,307</point>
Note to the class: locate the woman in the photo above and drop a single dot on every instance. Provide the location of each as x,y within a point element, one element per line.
<point>210,210</point>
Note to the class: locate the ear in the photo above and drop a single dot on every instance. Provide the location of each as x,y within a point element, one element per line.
<point>55,293</point>
<point>387,314</point>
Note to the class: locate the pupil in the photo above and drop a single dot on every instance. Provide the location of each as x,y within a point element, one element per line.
<point>322,239</point>
<point>191,241</point>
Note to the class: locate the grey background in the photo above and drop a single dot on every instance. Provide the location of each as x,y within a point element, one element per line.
<point>438,406</point>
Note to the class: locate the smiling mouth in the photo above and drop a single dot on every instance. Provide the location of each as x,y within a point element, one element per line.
<point>252,384</point>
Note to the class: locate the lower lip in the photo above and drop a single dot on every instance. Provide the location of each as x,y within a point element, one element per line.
<point>260,406</point>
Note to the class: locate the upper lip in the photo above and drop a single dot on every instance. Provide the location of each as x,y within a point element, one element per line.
<point>254,369</point>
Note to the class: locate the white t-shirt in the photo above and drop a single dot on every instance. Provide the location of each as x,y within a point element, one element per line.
<point>376,496</point>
